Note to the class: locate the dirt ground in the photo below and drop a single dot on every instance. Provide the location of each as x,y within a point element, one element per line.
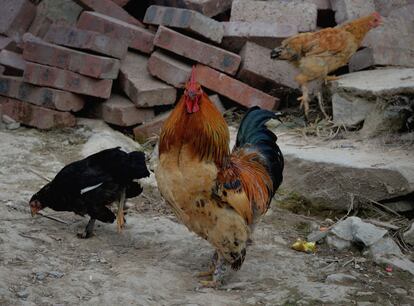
<point>154,260</point>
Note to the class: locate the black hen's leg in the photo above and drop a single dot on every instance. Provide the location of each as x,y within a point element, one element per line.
<point>88,232</point>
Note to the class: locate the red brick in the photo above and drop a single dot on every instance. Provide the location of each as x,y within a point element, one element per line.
<point>142,88</point>
<point>234,89</point>
<point>351,9</point>
<point>168,69</point>
<point>206,7</point>
<point>66,80</point>
<point>12,60</point>
<point>109,8</point>
<point>121,111</point>
<point>87,40</point>
<point>40,26</point>
<point>38,51</point>
<point>260,71</point>
<point>196,50</point>
<point>267,34</point>
<point>16,17</point>
<point>5,42</point>
<point>35,116</point>
<point>14,87</point>
<point>121,2</point>
<point>217,102</point>
<point>139,39</point>
<point>185,19</point>
<point>150,128</point>
<point>302,14</point>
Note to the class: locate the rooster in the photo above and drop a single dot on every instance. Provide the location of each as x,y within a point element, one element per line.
<point>218,195</point>
<point>319,53</point>
<point>89,185</point>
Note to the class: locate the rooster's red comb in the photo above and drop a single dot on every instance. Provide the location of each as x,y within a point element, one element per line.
<point>191,84</point>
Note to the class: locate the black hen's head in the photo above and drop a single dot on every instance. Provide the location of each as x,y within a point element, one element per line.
<point>41,199</point>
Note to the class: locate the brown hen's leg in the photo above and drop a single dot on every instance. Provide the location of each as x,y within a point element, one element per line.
<point>304,100</point>
<point>331,78</point>
<point>120,219</point>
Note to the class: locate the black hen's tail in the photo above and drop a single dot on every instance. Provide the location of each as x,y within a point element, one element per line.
<point>254,134</point>
<point>124,167</point>
<point>136,165</point>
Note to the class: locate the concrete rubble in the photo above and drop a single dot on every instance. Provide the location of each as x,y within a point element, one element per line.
<point>353,232</point>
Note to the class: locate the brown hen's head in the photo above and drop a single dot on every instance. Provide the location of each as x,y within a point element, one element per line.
<point>192,94</point>
<point>376,20</point>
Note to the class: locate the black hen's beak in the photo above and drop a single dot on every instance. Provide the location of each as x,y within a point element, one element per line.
<point>35,207</point>
<point>275,53</point>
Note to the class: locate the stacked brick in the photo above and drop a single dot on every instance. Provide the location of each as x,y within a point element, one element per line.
<point>131,72</point>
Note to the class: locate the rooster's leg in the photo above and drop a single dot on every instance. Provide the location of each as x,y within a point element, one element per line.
<point>212,267</point>
<point>219,273</point>
<point>88,232</point>
<point>304,100</point>
<point>120,219</point>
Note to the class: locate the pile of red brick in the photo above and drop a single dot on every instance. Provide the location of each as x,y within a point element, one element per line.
<point>132,69</point>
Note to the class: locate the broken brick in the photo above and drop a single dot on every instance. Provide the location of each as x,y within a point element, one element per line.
<point>121,111</point>
<point>5,42</point>
<point>196,50</point>
<point>150,128</point>
<point>206,7</point>
<point>16,17</point>
<point>40,26</point>
<point>217,102</point>
<point>14,87</point>
<point>392,44</point>
<point>12,60</point>
<point>87,40</point>
<point>234,89</point>
<point>185,19</point>
<point>139,39</point>
<point>266,34</point>
<point>168,69</point>
<point>351,9</point>
<point>260,71</point>
<point>109,8</point>
<point>38,51</point>
<point>121,2</point>
<point>35,116</point>
<point>66,80</point>
<point>142,88</point>
<point>303,15</point>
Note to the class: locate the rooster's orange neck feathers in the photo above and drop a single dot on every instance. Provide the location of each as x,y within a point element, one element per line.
<point>205,131</point>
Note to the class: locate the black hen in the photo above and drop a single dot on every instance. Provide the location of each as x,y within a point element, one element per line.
<point>89,185</point>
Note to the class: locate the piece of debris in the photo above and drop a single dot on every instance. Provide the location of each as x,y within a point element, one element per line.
<point>409,235</point>
<point>340,279</point>
<point>304,246</point>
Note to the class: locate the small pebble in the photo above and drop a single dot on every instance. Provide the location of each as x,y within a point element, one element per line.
<point>22,294</point>
<point>40,276</point>
<point>13,126</point>
<point>56,274</point>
